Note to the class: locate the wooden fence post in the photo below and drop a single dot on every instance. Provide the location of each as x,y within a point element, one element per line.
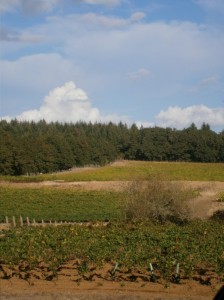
<point>13,221</point>
<point>27,221</point>
<point>7,221</point>
<point>21,221</point>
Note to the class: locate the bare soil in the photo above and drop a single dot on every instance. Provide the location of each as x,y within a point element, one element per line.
<point>66,288</point>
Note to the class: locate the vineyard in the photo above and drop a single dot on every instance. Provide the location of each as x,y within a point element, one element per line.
<point>129,252</point>
<point>131,170</point>
<point>59,204</point>
<point>109,248</point>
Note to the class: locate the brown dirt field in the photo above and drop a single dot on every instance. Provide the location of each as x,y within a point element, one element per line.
<point>66,288</point>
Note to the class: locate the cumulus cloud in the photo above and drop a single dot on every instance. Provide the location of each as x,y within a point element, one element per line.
<point>66,103</point>
<point>104,53</point>
<point>177,117</point>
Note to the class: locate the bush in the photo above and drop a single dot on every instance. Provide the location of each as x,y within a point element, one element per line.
<point>218,215</point>
<point>157,200</point>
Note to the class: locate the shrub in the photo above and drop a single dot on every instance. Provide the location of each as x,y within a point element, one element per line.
<point>218,215</point>
<point>158,200</point>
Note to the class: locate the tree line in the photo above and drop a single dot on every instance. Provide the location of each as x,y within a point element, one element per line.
<point>32,148</point>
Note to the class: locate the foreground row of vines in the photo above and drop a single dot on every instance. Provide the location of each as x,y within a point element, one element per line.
<point>121,251</point>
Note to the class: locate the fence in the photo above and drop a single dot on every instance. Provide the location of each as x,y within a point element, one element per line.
<point>27,222</point>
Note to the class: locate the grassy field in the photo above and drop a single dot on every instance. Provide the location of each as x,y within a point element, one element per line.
<point>59,205</point>
<point>130,170</point>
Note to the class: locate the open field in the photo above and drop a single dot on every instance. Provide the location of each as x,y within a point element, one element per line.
<point>131,170</point>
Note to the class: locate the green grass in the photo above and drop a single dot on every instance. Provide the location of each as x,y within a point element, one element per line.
<point>137,170</point>
<point>220,197</point>
<point>59,205</point>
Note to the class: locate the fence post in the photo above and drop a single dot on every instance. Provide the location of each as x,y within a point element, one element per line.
<point>27,221</point>
<point>21,221</point>
<point>43,223</point>
<point>34,222</point>
<point>7,221</point>
<point>13,221</point>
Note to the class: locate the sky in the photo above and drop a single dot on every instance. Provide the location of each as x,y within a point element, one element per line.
<point>148,62</point>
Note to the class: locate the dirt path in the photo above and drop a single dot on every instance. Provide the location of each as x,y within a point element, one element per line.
<point>206,203</point>
<point>66,289</point>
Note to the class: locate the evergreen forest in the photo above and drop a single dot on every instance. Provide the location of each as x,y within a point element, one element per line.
<point>31,148</point>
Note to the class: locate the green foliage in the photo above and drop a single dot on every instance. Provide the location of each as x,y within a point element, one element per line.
<point>196,246</point>
<point>33,148</point>
<point>59,204</point>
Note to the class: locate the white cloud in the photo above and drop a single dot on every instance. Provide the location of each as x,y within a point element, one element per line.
<point>103,2</point>
<point>212,5</point>
<point>209,81</point>
<point>146,124</point>
<point>103,21</point>
<point>37,71</point>
<point>28,6</point>
<point>102,53</point>
<point>66,104</point>
<point>177,117</point>
<point>140,73</point>
<point>39,6</point>
<point>9,5</point>
<point>10,35</point>
<point>205,83</point>
<point>137,16</point>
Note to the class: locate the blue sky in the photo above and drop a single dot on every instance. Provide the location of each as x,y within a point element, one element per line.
<point>149,62</point>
